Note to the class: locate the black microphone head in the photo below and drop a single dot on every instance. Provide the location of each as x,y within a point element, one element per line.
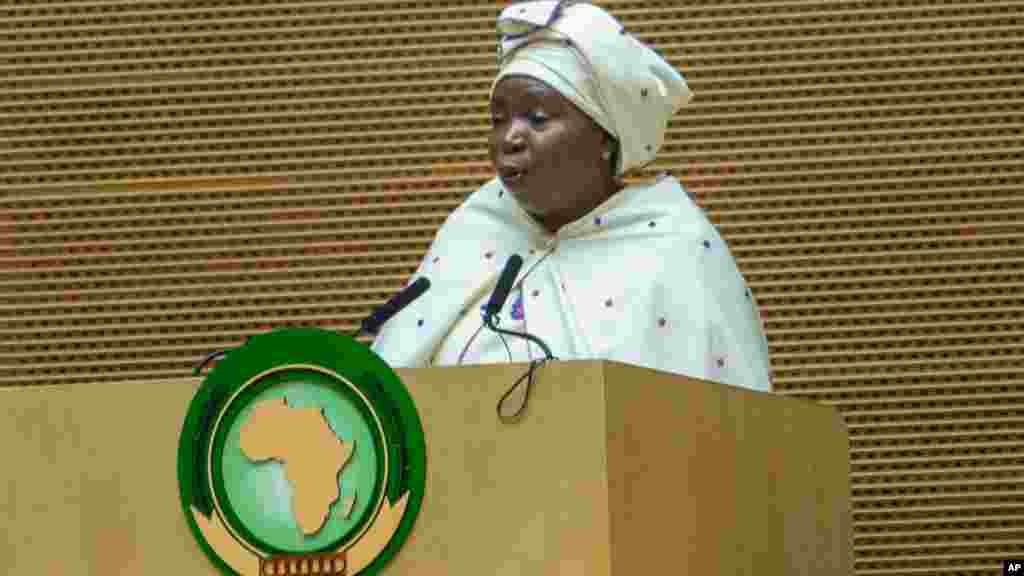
<point>504,285</point>
<point>414,290</point>
<point>384,312</point>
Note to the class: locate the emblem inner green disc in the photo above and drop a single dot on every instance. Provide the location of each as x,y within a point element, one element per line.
<point>260,494</point>
<point>301,448</point>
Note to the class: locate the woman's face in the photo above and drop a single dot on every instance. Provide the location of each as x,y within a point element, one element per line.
<point>547,152</point>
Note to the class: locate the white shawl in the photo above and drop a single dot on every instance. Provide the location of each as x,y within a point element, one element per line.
<point>643,279</point>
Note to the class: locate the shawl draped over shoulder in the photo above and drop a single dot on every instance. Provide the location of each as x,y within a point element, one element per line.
<point>644,278</point>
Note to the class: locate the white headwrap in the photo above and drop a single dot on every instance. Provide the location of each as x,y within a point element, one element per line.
<point>586,55</point>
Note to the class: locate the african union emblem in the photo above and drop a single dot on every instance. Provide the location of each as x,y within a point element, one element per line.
<point>302,453</point>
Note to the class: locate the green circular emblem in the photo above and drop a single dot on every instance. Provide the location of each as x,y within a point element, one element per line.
<point>301,453</point>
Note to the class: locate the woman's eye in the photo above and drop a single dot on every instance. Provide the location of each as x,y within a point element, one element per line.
<point>538,118</point>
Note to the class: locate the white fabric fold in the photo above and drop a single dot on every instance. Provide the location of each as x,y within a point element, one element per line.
<point>644,279</point>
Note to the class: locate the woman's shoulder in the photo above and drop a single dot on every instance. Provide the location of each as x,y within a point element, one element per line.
<point>487,217</point>
<point>668,197</point>
<point>487,210</point>
<point>484,201</point>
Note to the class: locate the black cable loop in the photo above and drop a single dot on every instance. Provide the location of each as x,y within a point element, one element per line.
<point>492,322</point>
<point>518,414</point>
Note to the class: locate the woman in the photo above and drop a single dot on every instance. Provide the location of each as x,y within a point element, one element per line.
<point>635,273</point>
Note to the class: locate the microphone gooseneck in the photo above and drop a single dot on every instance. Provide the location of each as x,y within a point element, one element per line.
<point>491,322</point>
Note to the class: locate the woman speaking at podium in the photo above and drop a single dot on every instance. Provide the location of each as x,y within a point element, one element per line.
<point>636,274</point>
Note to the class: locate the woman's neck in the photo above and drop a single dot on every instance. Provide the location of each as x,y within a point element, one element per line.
<point>554,222</point>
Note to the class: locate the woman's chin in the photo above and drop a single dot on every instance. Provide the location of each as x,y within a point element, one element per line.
<point>529,207</point>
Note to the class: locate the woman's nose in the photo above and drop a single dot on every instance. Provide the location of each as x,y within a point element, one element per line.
<point>513,140</point>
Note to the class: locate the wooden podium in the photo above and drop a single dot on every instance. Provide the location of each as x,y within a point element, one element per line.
<point>613,470</point>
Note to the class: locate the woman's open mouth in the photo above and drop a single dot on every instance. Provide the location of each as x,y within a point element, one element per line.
<point>511,175</point>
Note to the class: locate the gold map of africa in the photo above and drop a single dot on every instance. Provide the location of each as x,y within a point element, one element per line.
<point>313,456</point>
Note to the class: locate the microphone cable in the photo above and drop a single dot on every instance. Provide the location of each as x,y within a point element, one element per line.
<point>492,323</point>
<point>491,319</point>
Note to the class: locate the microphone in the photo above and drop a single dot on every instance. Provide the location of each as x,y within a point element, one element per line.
<point>500,295</point>
<point>504,285</point>
<point>372,323</point>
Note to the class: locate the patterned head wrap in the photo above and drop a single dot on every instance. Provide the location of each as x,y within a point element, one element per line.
<point>585,54</point>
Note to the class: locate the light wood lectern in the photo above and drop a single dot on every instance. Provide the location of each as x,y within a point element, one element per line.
<point>613,470</point>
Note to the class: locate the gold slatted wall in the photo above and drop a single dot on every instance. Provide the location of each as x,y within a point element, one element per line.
<point>178,175</point>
